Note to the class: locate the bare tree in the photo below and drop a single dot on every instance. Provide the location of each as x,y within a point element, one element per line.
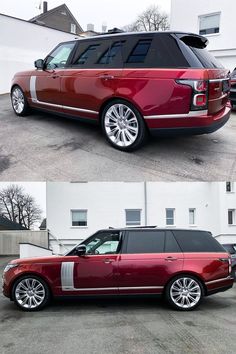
<point>18,206</point>
<point>152,19</point>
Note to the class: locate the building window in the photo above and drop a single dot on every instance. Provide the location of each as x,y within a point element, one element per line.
<point>229,187</point>
<point>133,217</point>
<point>170,216</point>
<point>79,217</point>
<point>209,24</point>
<point>231,217</point>
<point>73,28</point>
<point>192,216</point>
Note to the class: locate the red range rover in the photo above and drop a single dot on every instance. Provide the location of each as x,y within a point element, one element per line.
<point>130,84</point>
<point>182,265</point>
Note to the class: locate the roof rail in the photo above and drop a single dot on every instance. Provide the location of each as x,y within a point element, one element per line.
<point>142,227</point>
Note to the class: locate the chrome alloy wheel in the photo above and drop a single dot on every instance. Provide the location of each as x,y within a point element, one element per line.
<point>30,293</point>
<point>18,100</point>
<point>121,125</point>
<point>185,292</point>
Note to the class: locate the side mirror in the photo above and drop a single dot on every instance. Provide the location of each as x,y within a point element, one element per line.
<point>39,64</point>
<point>80,250</point>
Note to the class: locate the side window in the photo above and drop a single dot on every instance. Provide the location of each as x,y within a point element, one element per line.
<point>110,54</point>
<point>86,55</point>
<point>58,58</point>
<point>103,243</point>
<point>171,245</point>
<point>140,51</point>
<point>141,241</point>
<point>197,241</point>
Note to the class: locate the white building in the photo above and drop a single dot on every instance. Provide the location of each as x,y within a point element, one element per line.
<point>76,210</point>
<point>21,43</point>
<point>215,19</point>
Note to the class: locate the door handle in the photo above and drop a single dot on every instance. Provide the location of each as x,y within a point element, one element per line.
<point>107,77</point>
<point>224,260</point>
<point>170,259</point>
<point>55,76</point>
<point>108,261</point>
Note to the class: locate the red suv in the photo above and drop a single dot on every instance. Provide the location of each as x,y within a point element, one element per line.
<point>182,265</point>
<point>130,84</point>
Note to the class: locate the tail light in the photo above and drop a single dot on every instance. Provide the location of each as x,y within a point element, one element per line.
<point>199,93</point>
<point>230,265</point>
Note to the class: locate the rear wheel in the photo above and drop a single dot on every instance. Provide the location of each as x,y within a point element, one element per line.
<point>123,126</point>
<point>184,293</point>
<point>30,293</point>
<point>19,102</point>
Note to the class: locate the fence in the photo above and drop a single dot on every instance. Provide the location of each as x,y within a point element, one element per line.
<point>9,240</point>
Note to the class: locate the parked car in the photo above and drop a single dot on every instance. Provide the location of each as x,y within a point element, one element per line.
<point>233,88</point>
<point>131,84</point>
<point>182,265</point>
<point>231,249</point>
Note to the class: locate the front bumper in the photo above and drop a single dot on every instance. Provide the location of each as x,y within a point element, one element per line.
<point>192,125</point>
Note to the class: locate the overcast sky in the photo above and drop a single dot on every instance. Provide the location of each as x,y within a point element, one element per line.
<point>35,189</point>
<point>113,13</point>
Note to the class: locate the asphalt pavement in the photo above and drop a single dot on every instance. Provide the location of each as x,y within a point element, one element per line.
<point>47,147</point>
<point>134,326</point>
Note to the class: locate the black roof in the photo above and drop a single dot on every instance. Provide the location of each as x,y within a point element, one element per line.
<point>6,224</point>
<point>151,228</point>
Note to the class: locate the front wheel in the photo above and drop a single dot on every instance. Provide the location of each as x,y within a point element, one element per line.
<point>184,293</point>
<point>30,293</point>
<point>19,102</point>
<point>123,126</point>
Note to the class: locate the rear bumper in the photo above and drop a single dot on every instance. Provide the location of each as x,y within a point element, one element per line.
<point>219,285</point>
<point>191,125</point>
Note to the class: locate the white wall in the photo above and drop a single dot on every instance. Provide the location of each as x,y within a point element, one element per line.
<point>185,17</point>
<point>106,203</point>
<point>27,250</point>
<point>21,43</point>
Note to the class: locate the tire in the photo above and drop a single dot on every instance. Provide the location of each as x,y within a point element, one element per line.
<point>27,300</point>
<point>234,273</point>
<point>179,298</point>
<point>19,102</point>
<point>123,126</point>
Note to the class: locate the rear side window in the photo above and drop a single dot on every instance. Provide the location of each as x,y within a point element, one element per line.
<point>86,54</point>
<point>140,51</point>
<point>197,241</point>
<point>206,58</point>
<point>145,242</point>
<point>110,54</point>
<point>171,245</point>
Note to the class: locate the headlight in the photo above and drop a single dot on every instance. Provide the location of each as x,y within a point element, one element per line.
<point>10,266</point>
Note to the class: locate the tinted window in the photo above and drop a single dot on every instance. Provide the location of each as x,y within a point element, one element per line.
<point>197,241</point>
<point>230,248</point>
<point>145,241</point>
<point>140,51</point>
<point>86,54</point>
<point>206,58</point>
<point>110,54</point>
<point>171,244</point>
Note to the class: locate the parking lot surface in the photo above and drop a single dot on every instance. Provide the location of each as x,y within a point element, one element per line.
<point>134,326</point>
<point>48,147</point>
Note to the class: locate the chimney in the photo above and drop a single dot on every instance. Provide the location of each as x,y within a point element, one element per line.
<point>90,27</point>
<point>45,7</point>
<point>104,27</point>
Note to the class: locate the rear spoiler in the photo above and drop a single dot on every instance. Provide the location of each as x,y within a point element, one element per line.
<point>193,40</point>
